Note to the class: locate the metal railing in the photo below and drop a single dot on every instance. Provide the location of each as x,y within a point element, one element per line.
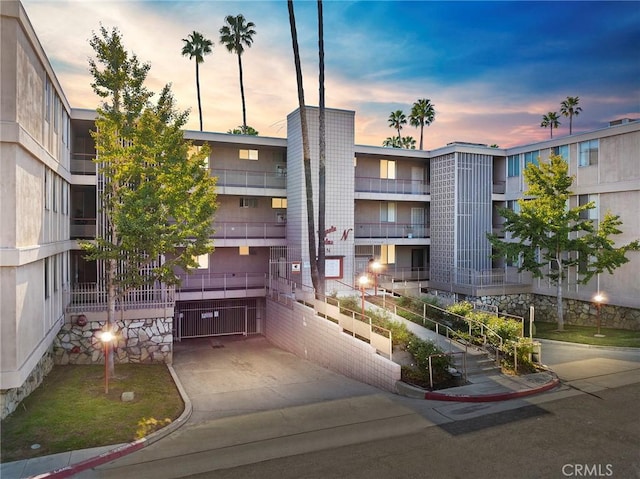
<point>391,230</point>
<point>82,228</point>
<point>83,297</point>
<point>392,186</point>
<point>83,164</point>
<point>250,179</point>
<point>221,281</point>
<point>246,230</point>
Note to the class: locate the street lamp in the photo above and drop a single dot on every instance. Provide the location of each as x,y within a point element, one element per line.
<point>598,299</point>
<point>375,268</point>
<point>106,337</point>
<point>363,281</point>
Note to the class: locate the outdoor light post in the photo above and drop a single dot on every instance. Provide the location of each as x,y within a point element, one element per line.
<point>106,337</point>
<point>363,281</point>
<point>375,268</point>
<point>598,299</point>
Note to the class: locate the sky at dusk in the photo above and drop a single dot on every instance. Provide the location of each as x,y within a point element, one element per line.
<point>492,69</point>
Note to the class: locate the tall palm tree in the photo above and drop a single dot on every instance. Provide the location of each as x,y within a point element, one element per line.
<point>422,113</point>
<point>396,120</point>
<point>197,46</point>
<point>570,108</point>
<point>235,35</point>
<point>306,150</point>
<point>322,146</point>
<point>550,120</point>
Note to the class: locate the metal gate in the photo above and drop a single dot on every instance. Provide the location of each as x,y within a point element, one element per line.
<point>195,319</point>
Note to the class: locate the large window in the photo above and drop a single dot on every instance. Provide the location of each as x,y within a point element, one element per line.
<point>248,202</point>
<point>388,254</point>
<point>562,151</point>
<point>202,261</point>
<point>278,202</point>
<point>513,165</point>
<point>590,214</point>
<point>531,157</point>
<point>248,154</point>
<point>388,169</point>
<point>387,212</point>
<point>588,152</point>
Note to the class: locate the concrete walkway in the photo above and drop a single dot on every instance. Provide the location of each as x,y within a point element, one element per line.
<point>247,401</point>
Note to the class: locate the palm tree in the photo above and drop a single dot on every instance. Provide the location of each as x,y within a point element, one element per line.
<point>570,108</point>
<point>249,130</point>
<point>408,142</point>
<point>396,120</point>
<point>196,46</point>
<point>551,121</point>
<point>392,142</point>
<point>235,35</point>
<point>422,113</point>
<point>306,150</point>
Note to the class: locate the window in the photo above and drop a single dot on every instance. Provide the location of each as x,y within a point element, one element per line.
<point>531,157</point>
<point>589,214</point>
<point>54,190</point>
<point>387,212</point>
<point>388,169</point>
<point>562,151</point>
<point>243,251</point>
<point>248,154</point>
<point>388,254</point>
<point>513,165</point>
<point>514,206</point>
<point>47,187</point>
<point>202,260</point>
<point>194,150</point>
<point>248,202</point>
<point>278,202</point>
<point>588,152</point>
<point>55,273</point>
<point>46,278</point>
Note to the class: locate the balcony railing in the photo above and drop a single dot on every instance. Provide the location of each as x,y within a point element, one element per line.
<point>250,179</point>
<point>221,281</point>
<point>391,230</point>
<point>85,297</point>
<point>82,164</point>
<point>244,230</point>
<point>83,228</point>
<point>499,187</point>
<point>383,185</point>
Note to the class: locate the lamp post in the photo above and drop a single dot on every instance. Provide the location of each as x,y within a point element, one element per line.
<point>375,268</point>
<point>106,337</point>
<point>363,281</point>
<point>598,299</point>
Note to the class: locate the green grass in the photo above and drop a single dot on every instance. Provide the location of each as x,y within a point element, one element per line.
<point>70,409</point>
<point>585,335</point>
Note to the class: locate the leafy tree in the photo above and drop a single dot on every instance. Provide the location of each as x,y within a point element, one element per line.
<point>551,121</point>
<point>306,150</point>
<point>422,113</point>
<point>569,108</point>
<point>396,120</point>
<point>249,130</point>
<point>392,142</point>
<point>237,34</point>
<point>408,142</point>
<point>196,47</point>
<point>158,199</point>
<point>549,237</point>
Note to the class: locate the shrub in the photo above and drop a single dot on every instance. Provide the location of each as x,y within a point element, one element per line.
<point>462,308</point>
<point>148,425</point>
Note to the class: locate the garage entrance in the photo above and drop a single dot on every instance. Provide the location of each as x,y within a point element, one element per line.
<point>217,317</point>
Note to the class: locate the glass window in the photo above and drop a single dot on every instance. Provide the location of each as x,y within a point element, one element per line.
<point>248,202</point>
<point>278,202</point>
<point>388,212</point>
<point>388,169</point>
<point>562,151</point>
<point>590,214</point>
<point>243,250</point>
<point>248,154</point>
<point>513,165</point>
<point>202,260</point>
<point>531,157</point>
<point>388,254</point>
<point>46,278</point>
<point>588,152</point>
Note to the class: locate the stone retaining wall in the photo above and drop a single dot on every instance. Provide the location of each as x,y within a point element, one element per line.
<point>137,341</point>
<point>11,398</point>
<point>583,313</point>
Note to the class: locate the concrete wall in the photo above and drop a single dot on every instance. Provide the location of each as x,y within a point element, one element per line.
<point>296,328</point>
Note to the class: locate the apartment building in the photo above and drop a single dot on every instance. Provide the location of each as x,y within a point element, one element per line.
<point>423,214</point>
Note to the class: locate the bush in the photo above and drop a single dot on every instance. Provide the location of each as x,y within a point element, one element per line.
<point>524,348</point>
<point>462,308</point>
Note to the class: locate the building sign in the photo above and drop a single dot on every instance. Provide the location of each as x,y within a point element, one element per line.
<point>333,267</point>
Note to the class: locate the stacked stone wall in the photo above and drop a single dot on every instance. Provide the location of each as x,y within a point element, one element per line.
<point>137,341</point>
<point>11,398</point>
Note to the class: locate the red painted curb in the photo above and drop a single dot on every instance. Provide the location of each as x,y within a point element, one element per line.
<point>116,453</point>
<point>435,396</point>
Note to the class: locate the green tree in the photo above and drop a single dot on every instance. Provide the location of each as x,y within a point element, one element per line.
<point>408,142</point>
<point>249,130</point>
<point>396,120</point>
<point>237,34</point>
<point>548,237</point>
<point>392,142</point>
<point>306,150</point>
<point>196,47</point>
<point>157,198</point>
<point>422,113</point>
<point>569,108</point>
<point>551,121</point>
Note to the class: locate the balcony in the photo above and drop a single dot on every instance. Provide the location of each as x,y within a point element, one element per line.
<point>248,230</point>
<point>382,185</point>
<point>391,230</point>
<point>208,285</point>
<point>250,179</point>
<point>87,297</point>
<point>82,164</point>
<point>83,228</point>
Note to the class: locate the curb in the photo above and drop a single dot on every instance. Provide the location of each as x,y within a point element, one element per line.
<point>587,346</point>
<point>128,448</point>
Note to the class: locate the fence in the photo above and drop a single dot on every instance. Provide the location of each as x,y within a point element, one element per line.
<point>85,297</point>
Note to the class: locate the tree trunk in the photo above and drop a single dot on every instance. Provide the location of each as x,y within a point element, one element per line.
<point>320,289</point>
<point>111,313</point>
<point>198,89</point>
<point>244,109</point>
<point>421,133</point>
<point>559,308</point>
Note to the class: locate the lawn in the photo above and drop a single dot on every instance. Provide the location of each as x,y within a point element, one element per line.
<point>70,410</point>
<point>585,335</point>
